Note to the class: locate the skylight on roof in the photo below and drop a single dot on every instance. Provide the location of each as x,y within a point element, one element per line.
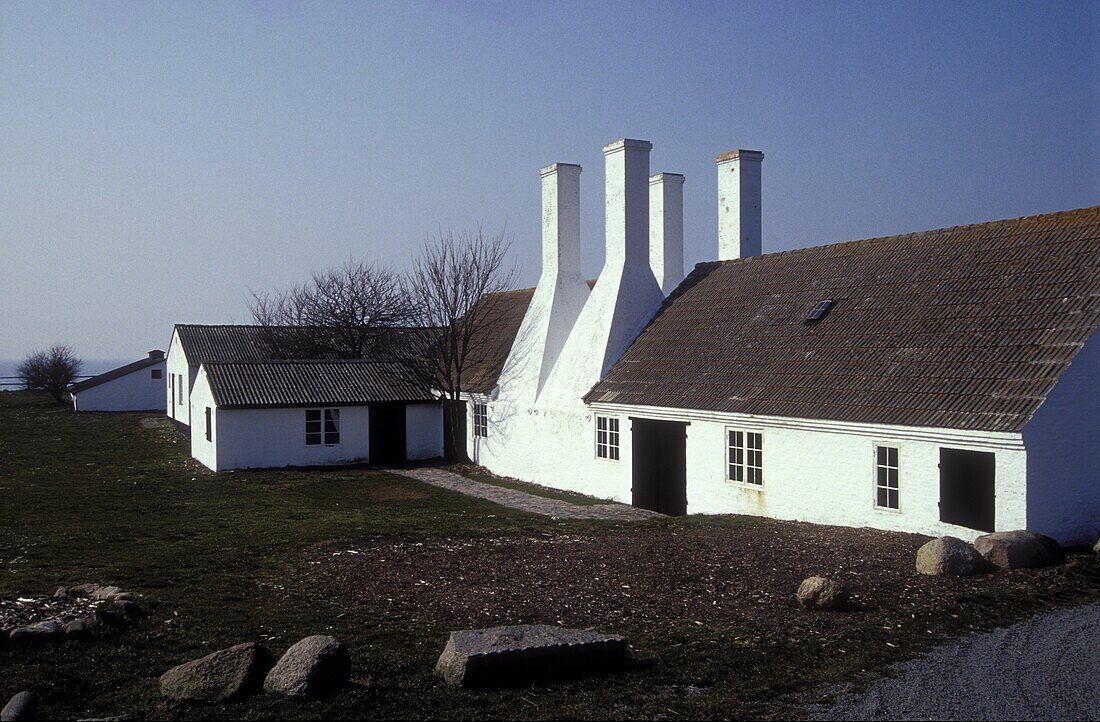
<point>819,311</point>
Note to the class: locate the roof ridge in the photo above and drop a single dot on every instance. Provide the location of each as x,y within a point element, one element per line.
<point>932,232</point>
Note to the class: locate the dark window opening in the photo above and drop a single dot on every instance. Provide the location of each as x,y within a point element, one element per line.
<point>208,424</point>
<point>155,373</point>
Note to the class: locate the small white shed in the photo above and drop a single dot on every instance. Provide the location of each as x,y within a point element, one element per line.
<point>261,414</point>
<point>134,387</point>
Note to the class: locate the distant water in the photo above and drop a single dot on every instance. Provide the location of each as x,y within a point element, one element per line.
<point>92,367</point>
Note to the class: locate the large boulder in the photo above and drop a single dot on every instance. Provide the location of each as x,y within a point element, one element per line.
<point>521,654</point>
<point>823,593</point>
<point>19,708</point>
<point>224,675</point>
<point>1019,549</point>
<point>952,557</point>
<point>314,667</point>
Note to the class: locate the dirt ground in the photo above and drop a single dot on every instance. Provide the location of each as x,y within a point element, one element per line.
<point>733,573</point>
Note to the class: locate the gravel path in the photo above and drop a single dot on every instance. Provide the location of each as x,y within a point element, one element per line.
<point>523,501</point>
<point>1047,668</point>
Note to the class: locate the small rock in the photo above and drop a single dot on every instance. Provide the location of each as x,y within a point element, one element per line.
<point>950,556</point>
<point>19,708</point>
<point>125,597</point>
<point>106,593</point>
<point>83,590</point>
<point>527,653</point>
<point>313,667</point>
<point>61,592</point>
<point>91,622</point>
<point>224,675</point>
<point>105,616</point>
<point>822,593</point>
<point>75,628</point>
<point>1019,549</point>
<point>41,632</point>
<point>128,607</point>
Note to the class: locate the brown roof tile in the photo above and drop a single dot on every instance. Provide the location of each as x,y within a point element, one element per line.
<point>966,327</point>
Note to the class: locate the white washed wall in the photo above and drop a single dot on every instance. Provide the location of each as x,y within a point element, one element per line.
<point>177,364</point>
<point>813,471</point>
<point>259,438</point>
<point>136,391</point>
<point>424,431</point>
<point>1063,443</point>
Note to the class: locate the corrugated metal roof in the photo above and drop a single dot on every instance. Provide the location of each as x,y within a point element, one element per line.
<point>272,384</point>
<point>967,327</point>
<point>203,343</point>
<point>121,371</point>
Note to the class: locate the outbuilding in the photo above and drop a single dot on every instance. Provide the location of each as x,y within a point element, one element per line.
<point>138,386</point>
<point>259,414</point>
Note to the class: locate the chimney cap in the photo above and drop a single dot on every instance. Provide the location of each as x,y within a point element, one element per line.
<point>666,178</point>
<point>554,167</point>
<point>739,153</point>
<point>624,143</point>
<point>156,353</point>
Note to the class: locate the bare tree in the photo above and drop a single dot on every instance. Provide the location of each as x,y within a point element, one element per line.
<point>341,313</point>
<point>51,371</point>
<point>454,289</point>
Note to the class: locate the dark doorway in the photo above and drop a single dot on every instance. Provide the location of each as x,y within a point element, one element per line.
<point>387,433</point>
<point>967,488</point>
<point>659,465</point>
<point>454,431</point>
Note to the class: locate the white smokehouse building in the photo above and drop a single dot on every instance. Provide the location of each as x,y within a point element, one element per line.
<point>944,382</point>
<point>138,386</point>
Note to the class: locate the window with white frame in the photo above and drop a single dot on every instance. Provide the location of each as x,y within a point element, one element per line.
<point>607,437</point>
<point>745,457</point>
<point>322,427</point>
<point>209,424</point>
<point>481,420</point>
<point>179,387</point>
<point>886,477</point>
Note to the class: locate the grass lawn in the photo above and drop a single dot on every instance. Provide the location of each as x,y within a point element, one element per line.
<point>260,556</point>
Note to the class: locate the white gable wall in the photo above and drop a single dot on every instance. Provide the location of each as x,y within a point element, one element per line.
<point>136,391</point>
<point>1063,444</point>
<point>177,367</point>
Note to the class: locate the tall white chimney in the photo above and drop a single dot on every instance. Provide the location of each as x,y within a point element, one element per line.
<point>561,292</point>
<point>626,201</point>
<point>626,294</point>
<point>666,229</point>
<point>739,204</point>
<point>561,219</point>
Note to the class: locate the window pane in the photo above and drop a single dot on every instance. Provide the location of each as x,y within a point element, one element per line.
<point>313,439</point>
<point>313,414</point>
<point>615,453</point>
<point>881,454</point>
<point>881,498</point>
<point>892,478</point>
<point>882,476</point>
<point>893,456</point>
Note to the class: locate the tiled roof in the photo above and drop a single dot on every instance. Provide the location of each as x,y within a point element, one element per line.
<point>489,349</point>
<point>117,373</point>
<point>966,328</point>
<point>273,384</point>
<point>203,343</point>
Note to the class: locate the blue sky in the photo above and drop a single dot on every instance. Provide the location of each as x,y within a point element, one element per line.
<point>157,161</point>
